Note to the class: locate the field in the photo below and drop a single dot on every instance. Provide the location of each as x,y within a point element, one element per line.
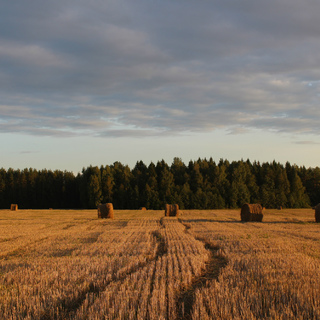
<point>58,264</point>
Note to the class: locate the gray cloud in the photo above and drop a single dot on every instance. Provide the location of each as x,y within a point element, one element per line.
<point>148,68</point>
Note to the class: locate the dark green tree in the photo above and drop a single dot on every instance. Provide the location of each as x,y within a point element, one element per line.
<point>94,191</point>
<point>166,185</point>
<point>3,174</point>
<point>179,171</point>
<point>107,184</point>
<point>298,197</point>
<point>122,186</point>
<point>152,194</point>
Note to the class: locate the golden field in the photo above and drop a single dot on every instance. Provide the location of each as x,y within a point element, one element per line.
<point>67,264</point>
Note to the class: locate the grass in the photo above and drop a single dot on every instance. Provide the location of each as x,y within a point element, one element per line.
<point>67,264</point>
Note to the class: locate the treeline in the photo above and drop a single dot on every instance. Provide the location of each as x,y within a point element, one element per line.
<point>202,184</point>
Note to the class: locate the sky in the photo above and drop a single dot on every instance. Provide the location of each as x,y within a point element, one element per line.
<point>93,82</point>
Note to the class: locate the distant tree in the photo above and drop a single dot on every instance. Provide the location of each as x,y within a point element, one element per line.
<point>196,178</point>
<point>267,189</point>
<point>179,171</point>
<point>241,180</point>
<point>138,185</point>
<point>10,194</point>
<point>205,170</point>
<point>223,182</point>
<point>202,184</point>
<point>185,195</point>
<point>107,184</point>
<point>199,200</point>
<point>282,186</point>
<point>94,187</point>
<point>298,197</point>
<point>151,191</point>
<point>70,191</point>
<point>166,187</point>
<point>32,178</point>
<point>122,186</point>
<point>310,178</point>
<point>2,187</point>
<point>90,187</point>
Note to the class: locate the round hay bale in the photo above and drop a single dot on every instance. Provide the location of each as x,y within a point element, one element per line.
<point>143,208</point>
<point>175,210</point>
<point>317,212</point>
<point>105,211</point>
<point>14,207</point>
<point>167,210</point>
<point>171,210</point>
<point>251,212</point>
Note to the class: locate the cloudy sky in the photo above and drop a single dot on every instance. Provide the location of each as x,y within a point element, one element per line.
<point>93,82</point>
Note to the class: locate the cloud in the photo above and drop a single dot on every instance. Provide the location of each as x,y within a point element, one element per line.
<point>116,68</point>
<point>28,152</point>
<point>237,130</point>
<point>307,142</point>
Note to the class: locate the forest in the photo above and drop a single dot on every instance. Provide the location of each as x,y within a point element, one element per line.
<point>202,184</point>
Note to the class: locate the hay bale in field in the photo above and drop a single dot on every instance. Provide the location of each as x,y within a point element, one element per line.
<point>167,210</point>
<point>143,208</point>
<point>317,212</point>
<point>175,211</point>
<point>105,211</point>
<point>251,212</point>
<point>14,207</point>
<point>171,210</point>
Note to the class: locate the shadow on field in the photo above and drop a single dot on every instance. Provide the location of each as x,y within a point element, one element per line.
<point>291,222</point>
<point>287,221</point>
<point>209,220</point>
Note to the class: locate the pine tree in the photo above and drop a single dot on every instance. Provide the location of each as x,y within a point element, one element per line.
<point>165,184</point>
<point>2,188</point>
<point>107,184</point>
<point>94,188</point>
<point>240,174</point>
<point>312,184</point>
<point>297,198</point>
<point>122,186</point>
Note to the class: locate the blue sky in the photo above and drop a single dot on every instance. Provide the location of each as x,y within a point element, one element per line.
<point>93,82</point>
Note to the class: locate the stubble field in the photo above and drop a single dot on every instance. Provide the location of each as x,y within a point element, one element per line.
<point>57,264</point>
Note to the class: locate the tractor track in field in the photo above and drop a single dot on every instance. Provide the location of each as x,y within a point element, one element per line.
<point>162,250</point>
<point>185,299</point>
<point>69,307</point>
<point>216,262</point>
